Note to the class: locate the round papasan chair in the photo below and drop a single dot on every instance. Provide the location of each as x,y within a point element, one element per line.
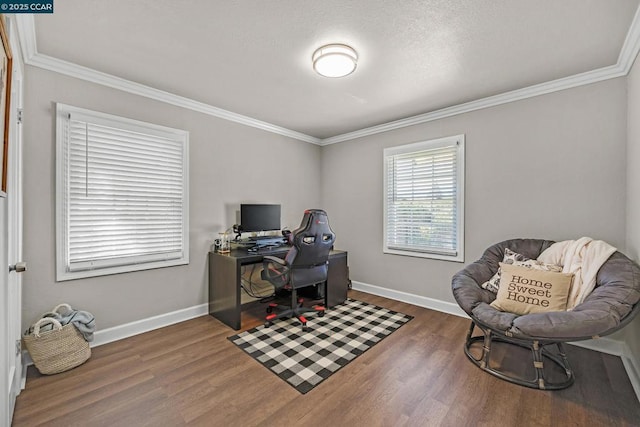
<point>610,306</point>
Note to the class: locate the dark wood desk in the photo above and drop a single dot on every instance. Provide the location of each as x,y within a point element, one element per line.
<point>225,272</point>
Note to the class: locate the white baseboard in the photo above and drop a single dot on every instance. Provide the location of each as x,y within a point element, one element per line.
<point>127,330</point>
<point>616,348</point>
<point>420,301</point>
<point>633,370</point>
<point>604,345</point>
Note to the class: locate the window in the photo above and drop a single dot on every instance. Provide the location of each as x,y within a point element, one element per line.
<point>424,197</point>
<point>121,194</point>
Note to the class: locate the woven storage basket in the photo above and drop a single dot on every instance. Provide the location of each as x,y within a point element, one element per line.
<point>57,350</point>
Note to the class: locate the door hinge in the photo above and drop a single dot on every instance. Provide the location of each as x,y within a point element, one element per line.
<point>19,116</point>
<point>18,347</point>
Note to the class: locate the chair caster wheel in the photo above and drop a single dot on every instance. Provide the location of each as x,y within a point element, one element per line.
<point>321,313</point>
<point>304,328</point>
<point>269,310</point>
<point>267,324</point>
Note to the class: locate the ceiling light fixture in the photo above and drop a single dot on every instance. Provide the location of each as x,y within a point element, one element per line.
<point>335,60</point>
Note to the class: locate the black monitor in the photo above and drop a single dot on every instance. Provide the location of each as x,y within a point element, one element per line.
<point>255,217</point>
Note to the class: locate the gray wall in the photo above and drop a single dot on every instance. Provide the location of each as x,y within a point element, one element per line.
<point>546,167</point>
<point>632,332</point>
<point>229,164</point>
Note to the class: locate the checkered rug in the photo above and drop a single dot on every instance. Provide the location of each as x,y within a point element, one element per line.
<point>305,359</point>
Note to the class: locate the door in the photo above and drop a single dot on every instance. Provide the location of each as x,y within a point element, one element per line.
<point>11,247</point>
<point>4,315</point>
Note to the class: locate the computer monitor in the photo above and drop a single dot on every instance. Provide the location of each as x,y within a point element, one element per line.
<point>259,217</point>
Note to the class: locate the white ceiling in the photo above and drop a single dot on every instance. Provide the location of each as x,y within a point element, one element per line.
<point>253,57</point>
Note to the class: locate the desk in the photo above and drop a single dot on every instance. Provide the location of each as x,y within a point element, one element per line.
<point>225,271</point>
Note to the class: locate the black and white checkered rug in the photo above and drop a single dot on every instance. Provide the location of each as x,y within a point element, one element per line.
<point>305,359</point>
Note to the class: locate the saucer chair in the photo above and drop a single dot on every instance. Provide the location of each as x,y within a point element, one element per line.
<point>612,304</point>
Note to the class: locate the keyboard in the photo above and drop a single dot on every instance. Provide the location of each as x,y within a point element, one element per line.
<point>267,249</point>
<point>258,238</point>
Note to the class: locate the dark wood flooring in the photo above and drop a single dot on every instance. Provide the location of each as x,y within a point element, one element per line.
<point>190,374</point>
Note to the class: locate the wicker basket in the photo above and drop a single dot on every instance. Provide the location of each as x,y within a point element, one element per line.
<point>57,350</point>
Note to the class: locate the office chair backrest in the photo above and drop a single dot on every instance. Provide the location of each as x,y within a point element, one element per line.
<point>312,242</point>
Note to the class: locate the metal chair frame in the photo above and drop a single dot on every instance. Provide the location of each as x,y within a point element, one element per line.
<point>539,353</point>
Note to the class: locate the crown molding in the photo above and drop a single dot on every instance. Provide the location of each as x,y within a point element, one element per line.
<point>627,56</point>
<point>27,35</point>
<point>631,46</point>
<point>26,29</point>
<point>491,101</point>
<point>88,74</point>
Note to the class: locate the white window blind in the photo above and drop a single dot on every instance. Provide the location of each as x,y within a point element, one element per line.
<point>424,187</point>
<point>122,194</point>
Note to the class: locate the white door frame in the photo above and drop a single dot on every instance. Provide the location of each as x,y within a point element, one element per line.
<point>14,229</point>
<point>5,418</point>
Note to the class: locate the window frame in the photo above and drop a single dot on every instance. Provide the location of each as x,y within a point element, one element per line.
<point>63,113</point>
<point>459,141</point>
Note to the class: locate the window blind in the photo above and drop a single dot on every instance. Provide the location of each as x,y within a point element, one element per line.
<point>125,194</point>
<point>422,209</point>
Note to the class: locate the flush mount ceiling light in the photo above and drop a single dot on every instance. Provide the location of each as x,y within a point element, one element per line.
<point>334,60</point>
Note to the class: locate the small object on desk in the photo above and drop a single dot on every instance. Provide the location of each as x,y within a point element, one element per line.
<point>225,243</point>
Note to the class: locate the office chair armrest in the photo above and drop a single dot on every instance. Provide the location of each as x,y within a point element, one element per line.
<point>269,258</point>
<point>275,270</point>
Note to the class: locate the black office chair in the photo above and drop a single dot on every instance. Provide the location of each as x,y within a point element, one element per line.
<point>306,264</point>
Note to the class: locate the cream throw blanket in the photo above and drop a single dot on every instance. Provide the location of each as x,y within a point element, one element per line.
<point>583,258</point>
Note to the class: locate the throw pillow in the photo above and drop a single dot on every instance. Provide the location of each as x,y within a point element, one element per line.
<point>515,258</point>
<point>524,290</point>
<point>509,258</point>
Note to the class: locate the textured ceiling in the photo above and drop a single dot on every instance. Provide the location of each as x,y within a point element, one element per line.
<point>416,56</point>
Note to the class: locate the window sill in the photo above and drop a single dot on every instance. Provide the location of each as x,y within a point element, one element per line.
<point>72,275</point>
<point>416,254</point>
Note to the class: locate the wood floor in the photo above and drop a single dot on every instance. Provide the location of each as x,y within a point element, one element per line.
<point>190,374</point>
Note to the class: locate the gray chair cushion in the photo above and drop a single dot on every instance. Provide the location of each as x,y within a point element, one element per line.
<point>616,293</point>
